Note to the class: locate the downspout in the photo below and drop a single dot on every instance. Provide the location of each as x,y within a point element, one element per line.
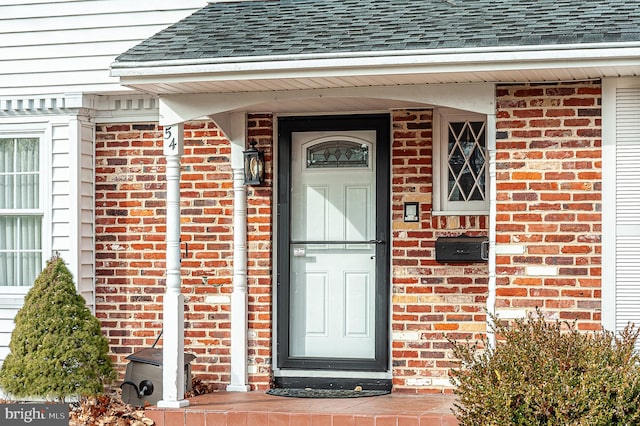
<point>491,293</point>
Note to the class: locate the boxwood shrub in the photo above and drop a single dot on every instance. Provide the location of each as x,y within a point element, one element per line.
<point>57,347</point>
<point>545,372</point>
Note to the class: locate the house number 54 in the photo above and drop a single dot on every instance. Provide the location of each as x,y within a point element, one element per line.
<point>173,139</point>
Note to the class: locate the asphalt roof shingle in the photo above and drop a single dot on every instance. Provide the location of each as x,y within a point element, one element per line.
<point>294,27</point>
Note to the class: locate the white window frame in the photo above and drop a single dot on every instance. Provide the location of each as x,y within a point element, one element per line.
<point>42,210</point>
<point>441,205</point>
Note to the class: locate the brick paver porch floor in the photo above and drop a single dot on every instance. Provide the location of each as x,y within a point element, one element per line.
<point>260,409</point>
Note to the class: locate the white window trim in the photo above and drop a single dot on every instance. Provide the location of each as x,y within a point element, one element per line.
<point>43,134</point>
<point>441,206</point>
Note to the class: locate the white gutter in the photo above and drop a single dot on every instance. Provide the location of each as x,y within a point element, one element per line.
<point>383,54</point>
<point>516,55</point>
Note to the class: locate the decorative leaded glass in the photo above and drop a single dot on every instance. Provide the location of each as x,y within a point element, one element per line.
<point>337,153</point>
<point>467,161</point>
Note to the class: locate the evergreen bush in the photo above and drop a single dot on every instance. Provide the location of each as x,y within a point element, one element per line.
<point>57,348</point>
<point>548,373</point>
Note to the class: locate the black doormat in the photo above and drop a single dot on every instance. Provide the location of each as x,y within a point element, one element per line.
<point>325,393</point>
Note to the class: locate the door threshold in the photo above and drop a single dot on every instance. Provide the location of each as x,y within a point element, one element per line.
<point>342,383</point>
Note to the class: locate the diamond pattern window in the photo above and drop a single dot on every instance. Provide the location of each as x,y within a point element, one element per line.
<point>466,155</point>
<point>460,163</point>
<point>337,153</point>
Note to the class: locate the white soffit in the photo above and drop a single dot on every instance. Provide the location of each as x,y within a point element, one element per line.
<point>522,64</point>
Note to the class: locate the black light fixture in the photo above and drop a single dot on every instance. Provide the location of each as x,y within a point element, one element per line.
<point>253,165</point>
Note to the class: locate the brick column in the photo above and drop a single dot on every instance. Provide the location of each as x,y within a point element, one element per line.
<point>549,218</point>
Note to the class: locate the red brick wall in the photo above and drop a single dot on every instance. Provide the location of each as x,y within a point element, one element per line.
<point>260,260</point>
<point>130,241</point>
<point>430,300</point>
<point>130,245</point>
<point>548,234</point>
<point>549,200</point>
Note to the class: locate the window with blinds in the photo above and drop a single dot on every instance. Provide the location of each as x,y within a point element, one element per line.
<point>21,211</point>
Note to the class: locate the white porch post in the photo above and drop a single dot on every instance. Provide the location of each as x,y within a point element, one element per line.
<point>492,190</point>
<point>239,301</point>
<point>173,305</point>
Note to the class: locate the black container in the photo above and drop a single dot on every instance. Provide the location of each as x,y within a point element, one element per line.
<point>462,249</point>
<point>143,378</point>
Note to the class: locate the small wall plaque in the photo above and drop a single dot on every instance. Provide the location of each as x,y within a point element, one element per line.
<point>411,211</point>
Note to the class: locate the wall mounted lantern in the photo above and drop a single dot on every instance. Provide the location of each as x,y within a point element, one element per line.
<point>253,165</point>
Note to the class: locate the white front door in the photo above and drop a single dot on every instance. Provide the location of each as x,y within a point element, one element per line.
<point>333,284</point>
<point>333,266</point>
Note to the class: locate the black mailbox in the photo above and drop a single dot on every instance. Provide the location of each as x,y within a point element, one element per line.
<point>462,249</point>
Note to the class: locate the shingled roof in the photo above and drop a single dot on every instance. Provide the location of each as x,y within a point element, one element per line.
<point>299,27</point>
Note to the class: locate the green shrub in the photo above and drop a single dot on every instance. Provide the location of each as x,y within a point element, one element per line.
<point>548,373</point>
<point>57,348</point>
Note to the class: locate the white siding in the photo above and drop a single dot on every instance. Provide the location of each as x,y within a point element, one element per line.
<point>69,205</point>
<point>621,203</point>
<point>84,190</point>
<point>50,49</point>
<point>627,206</point>
<point>72,200</point>
<point>8,309</point>
<point>61,206</point>
<point>67,46</point>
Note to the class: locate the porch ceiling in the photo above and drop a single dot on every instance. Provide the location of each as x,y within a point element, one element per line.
<point>332,104</point>
<point>476,97</point>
